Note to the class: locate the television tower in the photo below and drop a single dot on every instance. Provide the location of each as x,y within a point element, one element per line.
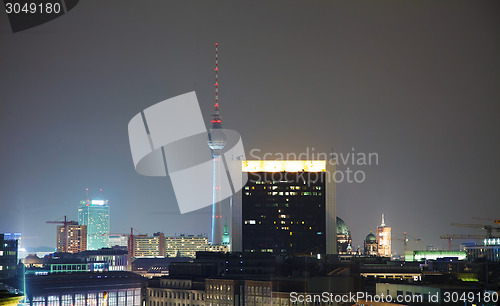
<point>216,142</point>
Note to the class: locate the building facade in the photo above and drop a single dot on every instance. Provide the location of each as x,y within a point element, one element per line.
<point>95,215</point>
<point>384,239</point>
<point>111,259</point>
<point>489,251</point>
<point>288,207</point>
<point>149,246</point>
<point>106,288</point>
<point>8,257</point>
<point>171,291</point>
<point>71,238</point>
<point>434,255</point>
<point>118,240</point>
<point>185,246</point>
<point>222,292</point>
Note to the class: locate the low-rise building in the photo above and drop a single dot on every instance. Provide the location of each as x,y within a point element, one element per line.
<point>172,291</point>
<point>433,255</point>
<point>114,259</point>
<point>185,246</point>
<point>115,288</point>
<point>223,292</point>
<point>149,246</point>
<point>439,294</point>
<point>489,251</point>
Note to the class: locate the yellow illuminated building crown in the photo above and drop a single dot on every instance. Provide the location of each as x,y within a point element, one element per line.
<point>284,166</point>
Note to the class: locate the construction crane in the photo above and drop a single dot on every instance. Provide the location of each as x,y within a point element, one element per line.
<point>405,240</point>
<point>65,224</point>
<point>451,237</point>
<point>488,228</point>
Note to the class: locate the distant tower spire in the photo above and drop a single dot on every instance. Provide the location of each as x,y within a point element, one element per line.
<point>216,121</point>
<point>383,221</point>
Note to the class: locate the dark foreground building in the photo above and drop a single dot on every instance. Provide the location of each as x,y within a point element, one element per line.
<point>8,257</point>
<point>85,288</point>
<point>289,207</point>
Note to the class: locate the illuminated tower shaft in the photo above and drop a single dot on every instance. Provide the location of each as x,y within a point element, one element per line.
<point>216,142</point>
<point>216,200</point>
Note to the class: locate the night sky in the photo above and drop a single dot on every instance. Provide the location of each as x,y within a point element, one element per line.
<point>417,82</point>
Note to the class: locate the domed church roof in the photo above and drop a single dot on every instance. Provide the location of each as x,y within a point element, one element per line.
<point>341,227</point>
<point>32,259</point>
<point>370,238</point>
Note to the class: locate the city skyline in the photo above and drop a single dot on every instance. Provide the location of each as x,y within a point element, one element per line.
<point>409,81</point>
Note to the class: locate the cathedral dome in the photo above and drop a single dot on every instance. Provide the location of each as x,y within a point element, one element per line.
<point>341,227</point>
<point>370,238</point>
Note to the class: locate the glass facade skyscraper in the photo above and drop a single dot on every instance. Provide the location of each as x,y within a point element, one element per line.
<point>95,215</point>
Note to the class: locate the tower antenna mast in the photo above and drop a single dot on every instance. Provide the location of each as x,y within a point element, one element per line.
<point>216,77</point>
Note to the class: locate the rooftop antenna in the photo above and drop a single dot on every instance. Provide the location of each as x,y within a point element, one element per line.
<point>383,221</point>
<point>87,194</point>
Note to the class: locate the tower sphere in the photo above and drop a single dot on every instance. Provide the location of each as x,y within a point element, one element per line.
<point>216,139</point>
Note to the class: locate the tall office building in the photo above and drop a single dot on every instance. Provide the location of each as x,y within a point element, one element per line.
<point>384,239</point>
<point>71,238</point>
<point>8,256</point>
<point>95,215</point>
<point>288,207</point>
<point>216,142</point>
